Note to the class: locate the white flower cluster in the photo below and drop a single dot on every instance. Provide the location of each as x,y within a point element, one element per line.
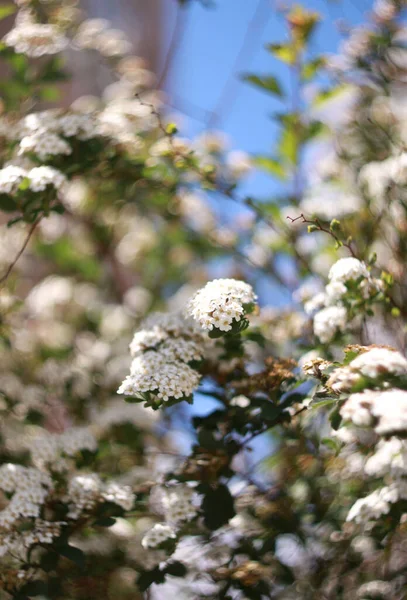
<point>44,133</point>
<point>379,410</point>
<point>151,372</point>
<point>18,542</point>
<point>39,178</point>
<point>221,303</point>
<point>161,351</point>
<point>238,164</point>
<point>378,503</point>
<point>332,303</point>
<point>375,363</point>
<point>35,39</point>
<point>390,457</point>
<point>96,34</point>
<point>328,321</point>
<point>157,535</point>
<point>85,491</point>
<point>29,487</point>
<point>10,179</point>
<point>170,331</point>
<point>385,410</point>
<point>378,177</point>
<point>348,269</point>
<point>50,450</point>
<point>44,144</point>
<point>64,123</point>
<point>178,505</point>
<point>375,589</point>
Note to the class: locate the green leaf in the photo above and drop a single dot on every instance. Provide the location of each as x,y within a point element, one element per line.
<point>331,444</point>
<point>216,333</point>
<point>207,440</point>
<point>313,129</point>
<point>73,554</point>
<point>217,506</point>
<point>271,165</point>
<point>329,94</point>
<point>35,588</point>
<point>335,418</point>
<point>53,71</point>
<point>267,83</point>
<point>6,10</point>
<point>49,561</point>
<point>105,522</point>
<point>323,403</point>
<point>176,569</point>
<point>50,94</point>
<point>288,145</point>
<point>350,354</point>
<point>284,52</point>
<point>270,411</point>
<point>311,68</point>
<point>7,203</point>
<point>147,578</point>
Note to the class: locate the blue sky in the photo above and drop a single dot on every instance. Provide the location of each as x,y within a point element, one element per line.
<point>206,57</point>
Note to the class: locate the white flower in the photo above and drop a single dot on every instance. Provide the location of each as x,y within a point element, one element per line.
<point>315,303</point>
<point>390,457</point>
<point>83,494</point>
<point>161,351</point>
<point>41,177</point>
<point>44,144</point>
<point>10,179</point>
<point>334,291</point>
<point>35,39</point>
<point>387,409</point>
<point>358,408</point>
<point>378,362</point>
<point>171,328</point>
<point>390,408</point>
<point>375,589</point>
<point>86,491</point>
<point>178,504</point>
<point>378,503</point>
<point>29,486</point>
<point>220,303</point>
<point>157,535</point>
<point>151,372</point>
<point>239,164</point>
<point>121,495</point>
<point>328,321</point>
<point>348,269</point>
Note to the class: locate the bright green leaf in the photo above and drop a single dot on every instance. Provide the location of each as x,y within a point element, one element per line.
<point>267,83</point>
<point>311,68</point>
<point>6,10</point>
<point>271,165</point>
<point>284,52</point>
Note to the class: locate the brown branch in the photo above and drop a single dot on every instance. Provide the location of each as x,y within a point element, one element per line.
<point>319,227</point>
<point>11,266</point>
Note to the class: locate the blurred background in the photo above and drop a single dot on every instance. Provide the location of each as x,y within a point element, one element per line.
<point>199,51</point>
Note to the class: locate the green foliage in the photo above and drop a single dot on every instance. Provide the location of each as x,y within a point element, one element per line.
<point>267,83</point>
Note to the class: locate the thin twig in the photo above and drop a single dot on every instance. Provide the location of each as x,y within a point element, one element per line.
<point>11,266</point>
<point>319,227</point>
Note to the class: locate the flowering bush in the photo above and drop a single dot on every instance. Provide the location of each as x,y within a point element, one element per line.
<point>287,477</point>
